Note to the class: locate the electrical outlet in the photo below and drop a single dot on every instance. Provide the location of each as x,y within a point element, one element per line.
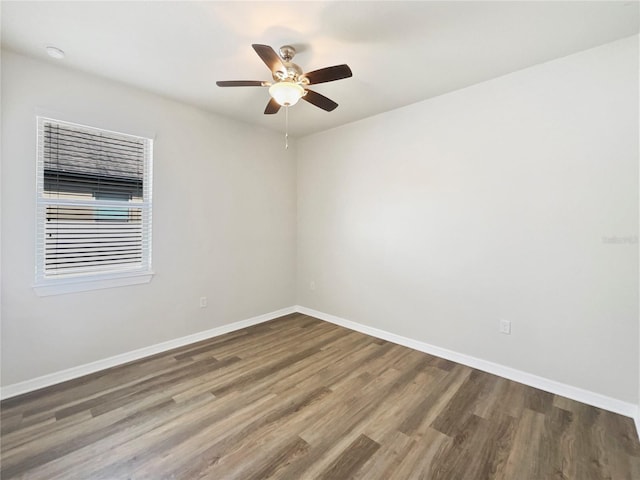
<point>203,302</point>
<point>505,327</point>
<point>312,285</point>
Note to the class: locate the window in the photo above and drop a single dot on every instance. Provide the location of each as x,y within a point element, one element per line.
<point>93,208</point>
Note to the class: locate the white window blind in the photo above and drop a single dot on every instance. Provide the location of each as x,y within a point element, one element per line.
<point>93,202</point>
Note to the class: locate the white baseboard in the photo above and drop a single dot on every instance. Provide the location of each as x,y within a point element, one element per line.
<point>75,372</point>
<point>575,393</point>
<point>551,386</point>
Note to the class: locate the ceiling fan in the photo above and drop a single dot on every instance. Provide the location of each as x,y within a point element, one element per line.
<point>289,81</point>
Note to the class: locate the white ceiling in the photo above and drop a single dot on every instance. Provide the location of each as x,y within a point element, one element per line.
<point>400,52</point>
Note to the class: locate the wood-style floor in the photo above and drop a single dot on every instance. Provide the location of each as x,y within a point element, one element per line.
<point>297,398</point>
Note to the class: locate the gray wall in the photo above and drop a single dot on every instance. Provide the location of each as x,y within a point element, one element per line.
<point>504,200</point>
<point>223,224</point>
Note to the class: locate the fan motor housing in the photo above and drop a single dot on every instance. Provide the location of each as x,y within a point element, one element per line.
<point>291,72</point>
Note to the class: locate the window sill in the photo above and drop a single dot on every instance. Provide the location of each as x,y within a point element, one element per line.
<point>61,286</point>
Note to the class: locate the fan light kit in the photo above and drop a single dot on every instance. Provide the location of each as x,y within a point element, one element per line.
<point>286,93</point>
<point>289,82</point>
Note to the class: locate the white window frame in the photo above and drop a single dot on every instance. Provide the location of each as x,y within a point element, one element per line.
<point>60,284</point>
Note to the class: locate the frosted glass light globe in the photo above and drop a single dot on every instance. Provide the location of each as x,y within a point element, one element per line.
<point>286,93</point>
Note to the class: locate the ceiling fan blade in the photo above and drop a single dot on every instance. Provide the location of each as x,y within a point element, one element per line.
<point>268,56</point>
<point>328,74</point>
<point>241,83</point>
<point>320,101</point>
<point>272,107</point>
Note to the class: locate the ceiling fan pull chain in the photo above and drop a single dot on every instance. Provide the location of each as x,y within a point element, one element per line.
<point>286,127</point>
